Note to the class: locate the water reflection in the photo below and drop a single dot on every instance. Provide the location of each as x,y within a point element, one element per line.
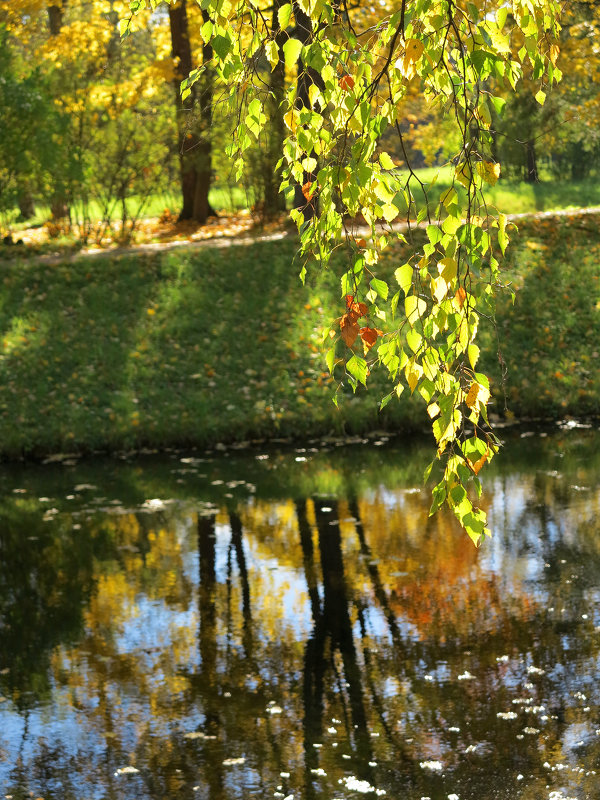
<point>234,627</point>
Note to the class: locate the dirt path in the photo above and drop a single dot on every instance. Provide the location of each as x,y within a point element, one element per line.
<point>245,238</point>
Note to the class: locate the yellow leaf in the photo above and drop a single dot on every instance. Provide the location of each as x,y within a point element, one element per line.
<point>413,50</point>
<point>489,171</point>
<point>463,174</point>
<point>471,398</point>
<point>439,288</point>
<point>290,119</point>
<point>479,463</point>
<point>554,53</point>
<point>448,269</point>
<point>413,373</point>
<point>433,410</point>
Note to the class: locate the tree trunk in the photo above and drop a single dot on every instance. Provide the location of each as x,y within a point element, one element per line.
<point>59,207</point>
<point>55,18</point>
<point>26,204</point>
<point>273,199</point>
<point>194,120</point>
<point>531,168</point>
<point>306,77</point>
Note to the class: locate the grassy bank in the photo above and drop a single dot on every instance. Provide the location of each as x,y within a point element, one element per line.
<point>208,345</point>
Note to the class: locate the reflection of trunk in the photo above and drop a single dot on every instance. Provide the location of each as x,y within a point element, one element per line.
<point>308,558</point>
<point>208,642</point>
<point>335,611</point>
<point>208,615</point>
<point>194,142</point>
<point>378,587</point>
<point>390,617</point>
<point>235,524</point>
<point>333,625</point>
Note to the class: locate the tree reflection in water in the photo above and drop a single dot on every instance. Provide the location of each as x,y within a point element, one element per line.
<point>321,647</point>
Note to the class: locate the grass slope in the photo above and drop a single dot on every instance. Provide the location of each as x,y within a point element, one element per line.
<point>205,345</point>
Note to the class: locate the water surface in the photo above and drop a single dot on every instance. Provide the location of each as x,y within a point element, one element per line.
<point>291,623</point>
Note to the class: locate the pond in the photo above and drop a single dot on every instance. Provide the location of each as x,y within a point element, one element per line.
<point>289,623</point>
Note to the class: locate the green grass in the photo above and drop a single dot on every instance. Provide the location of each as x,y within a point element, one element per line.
<point>186,346</point>
<point>227,199</point>
<point>510,197</point>
<point>205,345</point>
<point>550,339</point>
<point>513,197</point>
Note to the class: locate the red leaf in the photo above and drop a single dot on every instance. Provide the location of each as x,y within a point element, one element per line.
<point>307,190</point>
<point>460,296</point>
<point>369,336</point>
<point>356,310</point>
<point>347,82</point>
<point>349,328</point>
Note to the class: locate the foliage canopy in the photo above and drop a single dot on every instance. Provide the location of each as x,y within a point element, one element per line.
<point>350,73</point>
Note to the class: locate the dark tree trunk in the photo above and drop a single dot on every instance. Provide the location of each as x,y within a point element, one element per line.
<point>26,205</point>
<point>55,18</point>
<point>531,175</point>
<point>194,120</point>
<point>306,77</point>
<point>58,204</point>
<point>273,199</point>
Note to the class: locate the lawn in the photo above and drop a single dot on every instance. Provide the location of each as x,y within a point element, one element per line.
<point>201,345</point>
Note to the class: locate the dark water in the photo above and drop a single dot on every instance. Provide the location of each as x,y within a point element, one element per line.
<point>276,624</point>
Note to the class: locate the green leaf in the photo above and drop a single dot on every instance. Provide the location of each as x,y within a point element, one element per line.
<point>124,27</point>
<point>283,15</point>
<point>385,400</point>
<point>427,472</point>
<point>291,52</point>
<point>415,307</point>
<point>473,354</point>
<point>221,46</point>
<point>330,359</point>
<point>434,233</point>
<point>404,276</point>
<point>386,161</point>
<point>413,339</point>
<point>380,287</point>
<point>357,367</point>
<point>272,54</point>
<point>438,496</point>
<point>502,237</point>
<point>541,97</point>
